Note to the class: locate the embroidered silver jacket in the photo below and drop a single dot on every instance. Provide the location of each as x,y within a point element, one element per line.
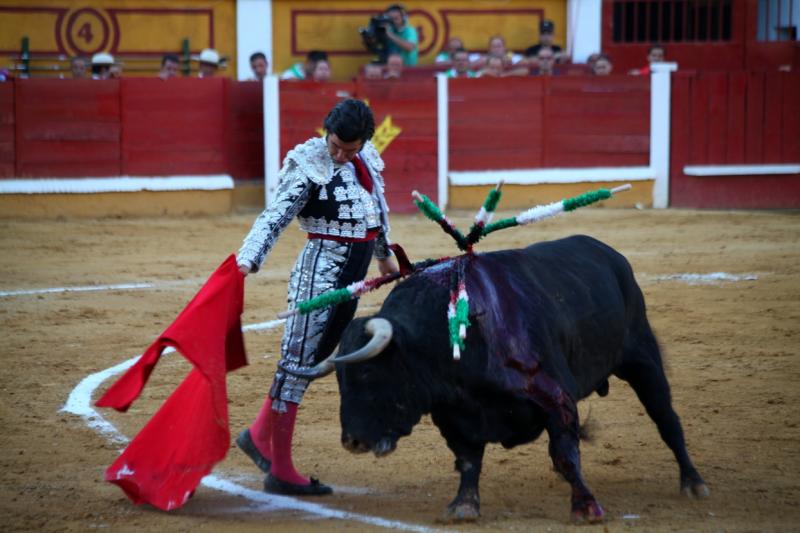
<point>306,171</point>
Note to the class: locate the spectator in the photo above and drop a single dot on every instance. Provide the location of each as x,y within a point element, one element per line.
<point>495,66</point>
<point>115,72</point>
<point>453,45</point>
<point>373,71</point>
<point>602,65</point>
<point>460,68</point>
<point>259,65</point>
<point>654,55</point>
<point>170,64</point>
<point>209,63</point>
<point>497,48</point>
<point>101,66</point>
<point>78,66</point>
<point>302,71</point>
<point>401,38</point>
<point>321,72</point>
<point>545,61</point>
<point>546,39</point>
<point>394,67</point>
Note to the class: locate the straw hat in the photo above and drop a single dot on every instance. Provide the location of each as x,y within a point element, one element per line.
<point>208,55</point>
<point>102,58</point>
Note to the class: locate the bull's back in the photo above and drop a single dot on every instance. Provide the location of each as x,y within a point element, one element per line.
<point>577,299</point>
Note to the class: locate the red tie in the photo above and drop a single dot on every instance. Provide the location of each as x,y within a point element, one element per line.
<point>362,174</point>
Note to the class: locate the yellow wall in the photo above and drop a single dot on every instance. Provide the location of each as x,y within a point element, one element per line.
<point>132,30</point>
<point>525,196</point>
<point>333,25</point>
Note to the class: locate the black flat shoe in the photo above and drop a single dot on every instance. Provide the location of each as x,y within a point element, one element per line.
<point>245,442</point>
<point>274,485</point>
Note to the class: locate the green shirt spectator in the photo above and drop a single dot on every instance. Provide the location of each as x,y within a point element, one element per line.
<point>401,38</point>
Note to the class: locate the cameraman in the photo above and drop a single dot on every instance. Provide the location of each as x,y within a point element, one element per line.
<point>400,37</point>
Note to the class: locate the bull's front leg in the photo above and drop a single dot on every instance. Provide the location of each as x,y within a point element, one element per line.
<point>566,458</point>
<point>467,504</point>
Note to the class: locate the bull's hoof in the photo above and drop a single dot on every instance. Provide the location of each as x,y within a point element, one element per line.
<point>696,490</point>
<point>464,511</point>
<point>588,513</point>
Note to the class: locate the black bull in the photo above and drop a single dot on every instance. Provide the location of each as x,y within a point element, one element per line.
<point>550,324</point>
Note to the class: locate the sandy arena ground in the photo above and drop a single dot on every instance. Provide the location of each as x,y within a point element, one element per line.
<point>732,350</point>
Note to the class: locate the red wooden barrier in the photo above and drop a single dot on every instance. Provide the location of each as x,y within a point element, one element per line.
<point>175,127</point>
<point>303,108</point>
<point>411,157</point>
<point>734,118</point>
<point>7,145</point>
<point>496,123</point>
<point>570,121</point>
<point>245,130</point>
<point>596,121</point>
<point>67,128</point>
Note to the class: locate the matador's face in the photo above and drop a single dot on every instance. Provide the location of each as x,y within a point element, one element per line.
<point>342,152</point>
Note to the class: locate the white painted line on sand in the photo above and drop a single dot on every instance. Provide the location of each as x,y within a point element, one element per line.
<point>99,288</point>
<point>79,403</point>
<point>86,288</point>
<point>704,279</point>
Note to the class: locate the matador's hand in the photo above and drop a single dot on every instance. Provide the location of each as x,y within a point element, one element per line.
<point>387,266</point>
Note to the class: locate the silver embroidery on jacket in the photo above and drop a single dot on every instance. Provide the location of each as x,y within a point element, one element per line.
<point>293,193</point>
<point>316,271</point>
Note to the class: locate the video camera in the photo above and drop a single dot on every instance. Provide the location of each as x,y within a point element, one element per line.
<point>374,35</point>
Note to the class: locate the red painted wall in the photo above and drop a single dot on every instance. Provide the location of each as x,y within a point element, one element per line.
<point>245,130</point>
<point>735,118</point>
<point>77,128</point>
<point>7,148</point>
<point>411,158</point>
<point>496,123</point>
<point>173,128</point>
<point>67,128</point>
<point>303,108</point>
<point>568,121</point>
<point>135,126</point>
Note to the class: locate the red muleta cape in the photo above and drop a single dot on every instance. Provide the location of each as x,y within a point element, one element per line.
<point>189,434</point>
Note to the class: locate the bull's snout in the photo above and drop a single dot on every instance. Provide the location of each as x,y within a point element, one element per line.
<point>385,446</point>
<point>352,445</point>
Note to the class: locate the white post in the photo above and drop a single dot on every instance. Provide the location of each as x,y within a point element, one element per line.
<point>253,34</point>
<point>442,122</point>
<point>660,95</point>
<point>272,137</point>
<point>584,24</point>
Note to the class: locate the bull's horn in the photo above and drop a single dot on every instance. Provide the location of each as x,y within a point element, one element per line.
<point>381,331</point>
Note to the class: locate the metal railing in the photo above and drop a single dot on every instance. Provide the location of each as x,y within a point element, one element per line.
<point>29,64</point>
<point>648,21</point>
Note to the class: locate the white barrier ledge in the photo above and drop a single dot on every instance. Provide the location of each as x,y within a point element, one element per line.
<point>551,175</point>
<point>118,184</point>
<point>740,170</point>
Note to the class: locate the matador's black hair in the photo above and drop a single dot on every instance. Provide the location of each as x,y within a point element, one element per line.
<point>351,120</point>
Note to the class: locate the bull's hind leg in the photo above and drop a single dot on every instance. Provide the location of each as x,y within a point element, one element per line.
<point>566,458</point>
<point>644,371</point>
